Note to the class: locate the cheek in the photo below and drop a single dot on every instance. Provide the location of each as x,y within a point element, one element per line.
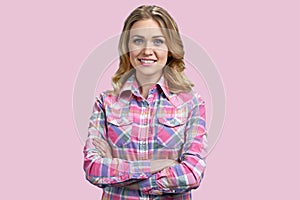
<point>133,54</point>
<point>163,55</point>
<point>133,57</point>
<point>133,51</point>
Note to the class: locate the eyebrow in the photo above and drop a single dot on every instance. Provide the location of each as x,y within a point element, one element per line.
<point>156,36</point>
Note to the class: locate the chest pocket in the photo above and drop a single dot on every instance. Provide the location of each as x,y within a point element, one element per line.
<point>119,125</point>
<point>171,128</point>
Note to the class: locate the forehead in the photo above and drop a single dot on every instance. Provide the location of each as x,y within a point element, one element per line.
<point>146,28</point>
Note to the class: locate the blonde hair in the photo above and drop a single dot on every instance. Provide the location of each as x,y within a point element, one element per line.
<point>173,71</point>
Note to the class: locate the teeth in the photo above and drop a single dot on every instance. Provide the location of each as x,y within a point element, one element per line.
<point>147,61</point>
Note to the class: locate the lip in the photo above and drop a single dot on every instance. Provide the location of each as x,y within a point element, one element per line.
<point>147,61</point>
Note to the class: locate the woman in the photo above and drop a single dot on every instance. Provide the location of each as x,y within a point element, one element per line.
<point>147,136</point>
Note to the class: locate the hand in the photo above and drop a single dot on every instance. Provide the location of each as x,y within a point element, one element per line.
<point>103,147</point>
<point>158,165</point>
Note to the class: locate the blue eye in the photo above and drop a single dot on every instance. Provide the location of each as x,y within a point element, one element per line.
<point>138,41</point>
<point>158,42</point>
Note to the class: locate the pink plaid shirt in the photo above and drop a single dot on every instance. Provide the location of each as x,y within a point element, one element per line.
<point>163,126</point>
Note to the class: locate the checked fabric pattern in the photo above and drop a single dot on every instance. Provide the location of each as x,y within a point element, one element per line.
<point>163,126</point>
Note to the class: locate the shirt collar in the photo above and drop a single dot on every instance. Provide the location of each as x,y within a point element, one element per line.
<point>131,87</point>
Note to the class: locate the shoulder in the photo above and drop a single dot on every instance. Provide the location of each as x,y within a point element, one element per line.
<point>191,98</point>
<point>107,97</point>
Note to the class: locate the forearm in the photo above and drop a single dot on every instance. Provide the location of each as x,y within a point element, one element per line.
<point>104,152</point>
<point>108,171</point>
<point>159,165</point>
<point>176,179</point>
<point>184,176</point>
<point>156,166</point>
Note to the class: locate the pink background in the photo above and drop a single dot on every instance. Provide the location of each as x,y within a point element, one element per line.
<point>255,45</point>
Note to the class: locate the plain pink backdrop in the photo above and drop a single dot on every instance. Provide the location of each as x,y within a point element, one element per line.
<point>255,45</point>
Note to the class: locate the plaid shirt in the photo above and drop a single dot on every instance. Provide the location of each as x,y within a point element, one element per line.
<point>163,126</point>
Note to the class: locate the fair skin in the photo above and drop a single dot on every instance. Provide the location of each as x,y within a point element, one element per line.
<point>148,54</point>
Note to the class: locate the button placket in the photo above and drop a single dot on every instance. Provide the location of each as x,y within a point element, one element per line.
<point>143,145</point>
<point>143,132</point>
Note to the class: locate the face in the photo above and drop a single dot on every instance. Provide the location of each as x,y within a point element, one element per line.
<point>148,51</point>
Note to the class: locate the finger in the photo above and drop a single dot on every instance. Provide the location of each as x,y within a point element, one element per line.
<point>99,139</point>
<point>102,153</point>
<point>101,142</point>
<point>96,144</point>
<point>104,144</point>
<point>99,147</point>
<point>96,140</point>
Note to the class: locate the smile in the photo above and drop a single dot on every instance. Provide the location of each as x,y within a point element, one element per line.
<point>147,61</point>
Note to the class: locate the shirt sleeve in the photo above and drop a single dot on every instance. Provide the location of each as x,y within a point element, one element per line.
<point>189,172</point>
<point>105,171</point>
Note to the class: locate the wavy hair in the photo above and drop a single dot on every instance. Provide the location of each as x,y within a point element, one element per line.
<point>173,73</point>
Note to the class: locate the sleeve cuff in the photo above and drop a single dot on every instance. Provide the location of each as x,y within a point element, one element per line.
<point>149,186</point>
<point>140,169</point>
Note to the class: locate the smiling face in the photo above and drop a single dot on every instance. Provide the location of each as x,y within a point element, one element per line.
<point>148,51</point>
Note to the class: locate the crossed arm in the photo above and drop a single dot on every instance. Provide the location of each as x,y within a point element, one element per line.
<point>149,176</point>
<point>155,165</point>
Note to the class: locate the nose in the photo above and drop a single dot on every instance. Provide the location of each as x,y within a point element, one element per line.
<point>148,50</point>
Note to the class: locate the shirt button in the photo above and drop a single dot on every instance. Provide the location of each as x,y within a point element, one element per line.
<point>143,145</point>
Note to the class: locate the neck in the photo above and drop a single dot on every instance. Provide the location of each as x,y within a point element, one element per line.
<point>146,82</point>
